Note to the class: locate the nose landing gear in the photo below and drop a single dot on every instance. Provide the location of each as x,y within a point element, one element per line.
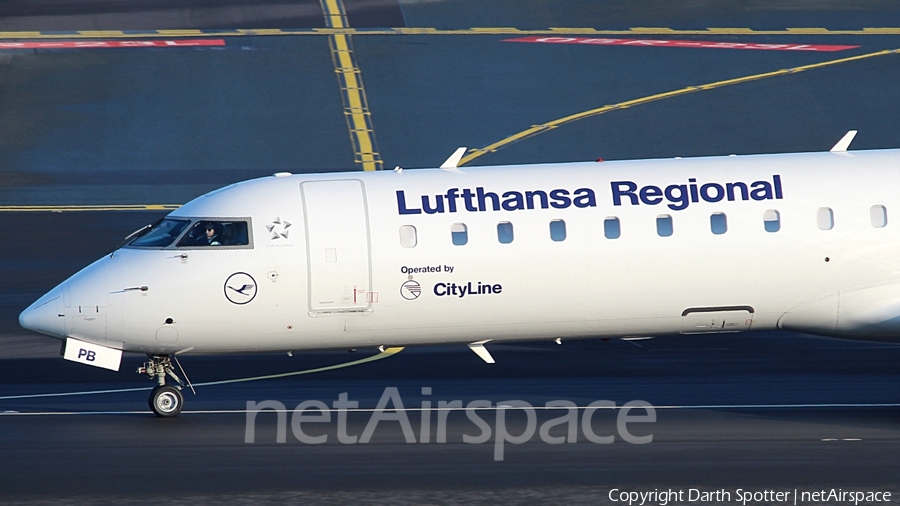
<point>165,400</point>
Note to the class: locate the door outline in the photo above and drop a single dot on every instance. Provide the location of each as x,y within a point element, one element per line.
<point>727,313</point>
<point>313,311</point>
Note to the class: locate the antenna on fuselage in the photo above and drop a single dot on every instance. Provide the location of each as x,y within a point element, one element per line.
<point>844,143</point>
<point>452,163</point>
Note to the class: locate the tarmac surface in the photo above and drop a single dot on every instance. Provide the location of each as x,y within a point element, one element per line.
<point>159,125</point>
<point>768,411</point>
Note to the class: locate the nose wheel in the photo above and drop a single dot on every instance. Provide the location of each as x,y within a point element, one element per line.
<point>166,401</point>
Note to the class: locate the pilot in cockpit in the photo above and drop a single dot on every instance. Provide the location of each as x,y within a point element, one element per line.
<point>212,234</point>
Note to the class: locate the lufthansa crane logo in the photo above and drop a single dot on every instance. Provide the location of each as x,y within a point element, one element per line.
<point>411,290</point>
<point>240,288</point>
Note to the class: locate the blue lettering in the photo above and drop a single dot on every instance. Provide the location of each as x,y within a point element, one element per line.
<point>560,200</point>
<point>495,200</point>
<point>439,204</point>
<point>401,204</point>
<point>468,196</point>
<point>651,195</point>
<point>514,201</point>
<point>762,190</point>
<point>618,192</point>
<point>704,192</point>
<point>529,197</point>
<point>729,189</point>
<point>676,196</point>
<point>679,201</point>
<point>584,197</point>
<point>679,196</point>
<point>451,199</point>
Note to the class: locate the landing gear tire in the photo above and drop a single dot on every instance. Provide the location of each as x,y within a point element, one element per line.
<point>166,401</point>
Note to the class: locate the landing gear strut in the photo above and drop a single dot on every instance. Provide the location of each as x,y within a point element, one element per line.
<point>165,400</point>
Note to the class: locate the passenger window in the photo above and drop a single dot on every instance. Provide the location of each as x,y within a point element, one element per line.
<point>408,236</point>
<point>718,223</point>
<point>221,233</point>
<point>505,232</point>
<point>878,216</point>
<point>664,225</point>
<point>611,228</point>
<point>825,218</point>
<point>772,220</point>
<point>162,234</point>
<point>558,230</point>
<point>459,233</point>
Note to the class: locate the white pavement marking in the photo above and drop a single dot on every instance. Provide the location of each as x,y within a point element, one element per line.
<point>494,408</point>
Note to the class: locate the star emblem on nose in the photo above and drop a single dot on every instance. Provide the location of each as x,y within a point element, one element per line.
<point>278,228</point>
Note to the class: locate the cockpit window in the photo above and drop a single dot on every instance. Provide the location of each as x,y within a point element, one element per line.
<point>162,234</point>
<point>213,233</point>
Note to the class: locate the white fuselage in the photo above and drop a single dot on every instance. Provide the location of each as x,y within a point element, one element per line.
<point>334,259</point>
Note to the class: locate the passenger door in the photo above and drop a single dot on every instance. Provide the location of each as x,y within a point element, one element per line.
<point>337,242</point>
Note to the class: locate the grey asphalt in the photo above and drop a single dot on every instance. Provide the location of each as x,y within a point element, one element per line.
<point>70,15</point>
<point>111,457</point>
<point>624,14</point>
<point>142,15</point>
<point>161,126</point>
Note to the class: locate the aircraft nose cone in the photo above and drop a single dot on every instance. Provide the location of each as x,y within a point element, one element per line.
<point>46,315</point>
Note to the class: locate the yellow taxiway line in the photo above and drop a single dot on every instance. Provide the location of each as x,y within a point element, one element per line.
<point>550,125</point>
<point>356,110</point>
<point>353,93</point>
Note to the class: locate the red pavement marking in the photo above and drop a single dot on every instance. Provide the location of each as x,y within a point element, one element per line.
<point>680,43</point>
<point>82,44</point>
